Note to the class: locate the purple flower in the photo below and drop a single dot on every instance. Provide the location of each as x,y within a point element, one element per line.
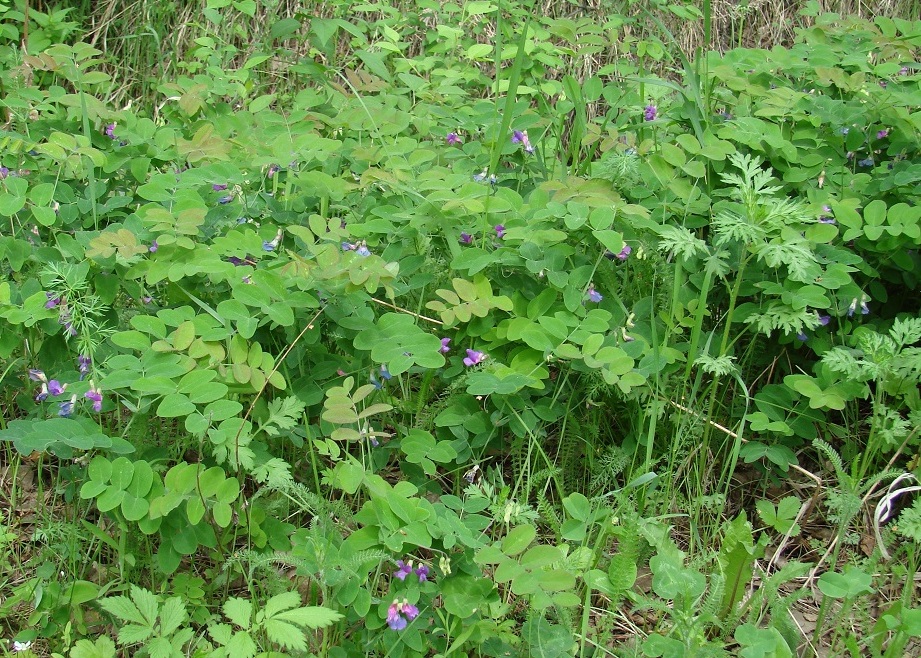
<point>521,137</point>
<point>500,231</point>
<point>385,373</point>
<point>84,362</point>
<point>410,610</point>
<point>624,253</point>
<point>452,138</point>
<point>42,394</point>
<point>593,295</point>
<point>802,336</point>
<point>423,572</point>
<point>517,137</point>
<point>882,134</point>
<point>400,613</point>
<point>146,299</point>
<point>96,396</point>
<point>110,131</point>
<point>904,70</point>
<point>403,570</point>
<point>268,245</point>
<point>361,249</point>
<point>273,169</point>
<point>864,309</point>
<point>473,358</point>
<point>444,345</point>
<point>225,199</point>
<point>395,620</point>
<point>348,246</point>
<point>67,407</point>
<point>649,112</point>
<point>466,238</point>
<point>883,84</point>
<point>866,162</point>
<point>153,247</point>
<point>4,172</point>
<point>69,329</point>
<point>53,300</point>
<point>37,375</point>
<point>217,187</point>
<point>55,387</point>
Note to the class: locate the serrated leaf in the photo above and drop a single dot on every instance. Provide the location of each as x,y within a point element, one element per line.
<point>172,615</point>
<point>123,608</point>
<point>239,611</point>
<point>311,616</point>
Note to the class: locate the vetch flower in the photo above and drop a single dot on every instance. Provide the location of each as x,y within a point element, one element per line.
<point>473,358</point>
<point>521,137</point>
<point>67,408</point>
<point>225,199</point>
<point>484,176</point>
<point>500,231</point>
<point>466,238</point>
<point>624,253</point>
<point>21,646</point>
<point>801,336</point>
<point>84,362</point>
<point>866,162</point>
<point>403,570</point>
<point>270,245</point>
<point>882,134</point>
<point>444,345</point>
<point>42,394</point>
<point>649,112</point>
<point>422,572</point>
<point>593,295</point>
<point>361,249</point>
<point>218,187</point>
<point>273,169</point>
<point>517,137</point>
<point>56,388</point>
<point>53,300</point>
<point>400,613</point>
<point>385,373</point>
<point>824,320</point>
<point>844,131</point>
<point>95,395</point>
<point>153,247</point>
<point>37,375</point>
<point>110,131</point>
<point>452,138</point>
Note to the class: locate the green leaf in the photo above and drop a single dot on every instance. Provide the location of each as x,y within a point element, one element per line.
<point>518,539</point>
<point>239,611</point>
<point>174,405</point>
<point>848,585</point>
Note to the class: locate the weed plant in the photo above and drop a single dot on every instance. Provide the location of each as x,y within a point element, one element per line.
<point>436,330</point>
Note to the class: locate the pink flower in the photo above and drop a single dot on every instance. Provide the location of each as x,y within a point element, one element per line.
<point>473,358</point>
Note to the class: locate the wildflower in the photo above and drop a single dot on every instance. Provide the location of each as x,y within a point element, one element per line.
<point>84,361</point>
<point>864,309</point>
<point>21,646</point>
<point>883,84</point>
<point>500,230</point>
<point>866,162</point>
<point>452,138</point>
<point>147,299</point>
<point>361,249</point>
<point>96,396</point>
<point>882,134</point>
<point>466,238</point>
<point>801,336</point>
<point>843,131</point>
<point>444,345</point>
<point>521,137</point>
<point>649,112</point>
<point>42,394</point>
<point>55,387</point>
<point>348,246</point>
<point>624,253</point>
<point>422,572</point>
<point>385,373</point>
<point>400,613</point>
<point>153,247</point>
<point>4,172</point>
<point>593,295</point>
<point>473,358</point>
<point>110,131</point>
<point>827,217</point>
<point>824,320</point>
<point>247,279</point>
<point>273,169</point>
<point>37,375</point>
<point>270,245</point>
<point>904,70</point>
<point>53,300</point>
<point>218,187</point>
<point>225,199</point>
<point>852,307</point>
<point>67,407</point>
<point>483,176</point>
<point>403,570</point>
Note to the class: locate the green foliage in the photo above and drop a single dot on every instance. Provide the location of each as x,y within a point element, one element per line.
<point>426,288</point>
